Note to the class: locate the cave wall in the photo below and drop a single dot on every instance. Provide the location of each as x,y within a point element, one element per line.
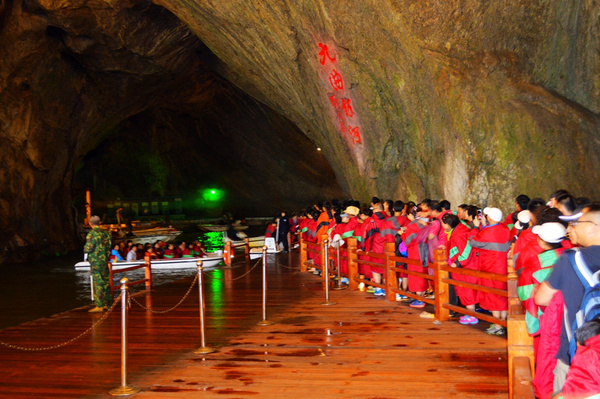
<point>473,101</point>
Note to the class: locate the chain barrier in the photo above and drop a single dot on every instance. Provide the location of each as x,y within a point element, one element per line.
<point>132,299</point>
<point>288,267</point>
<point>238,277</point>
<point>40,349</point>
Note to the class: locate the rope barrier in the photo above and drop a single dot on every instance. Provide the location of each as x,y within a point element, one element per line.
<point>45,348</point>
<point>168,310</point>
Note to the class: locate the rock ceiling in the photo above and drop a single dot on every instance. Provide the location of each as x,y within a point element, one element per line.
<point>473,101</point>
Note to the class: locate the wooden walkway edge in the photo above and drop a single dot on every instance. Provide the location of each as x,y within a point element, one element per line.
<point>363,347</point>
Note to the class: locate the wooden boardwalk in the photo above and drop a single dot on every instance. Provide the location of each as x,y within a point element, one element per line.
<point>363,347</point>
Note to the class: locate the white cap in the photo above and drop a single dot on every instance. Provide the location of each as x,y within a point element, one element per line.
<point>571,218</point>
<point>337,241</point>
<point>522,218</point>
<point>494,213</point>
<point>551,232</point>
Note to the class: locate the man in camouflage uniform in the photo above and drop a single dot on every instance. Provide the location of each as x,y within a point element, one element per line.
<point>98,249</point>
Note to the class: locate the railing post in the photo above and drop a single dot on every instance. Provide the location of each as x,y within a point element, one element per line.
<point>303,254</point>
<point>110,279</point>
<point>228,253</point>
<point>124,389</point>
<point>325,273</point>
<point>352,264</point>
<point>247,247</point>
<point>441,289</point>
<point>519,342</point>
<point>391,282</point>
<point>148,273</point>
<point>323,255</point>
<point>264,321</point>
<point>339,285</point>
<point>203,349</point>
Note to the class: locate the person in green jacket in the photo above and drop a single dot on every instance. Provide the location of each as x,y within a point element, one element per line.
<point>97,247</point>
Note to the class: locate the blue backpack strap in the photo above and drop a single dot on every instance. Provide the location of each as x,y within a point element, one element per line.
<point>585,276</point>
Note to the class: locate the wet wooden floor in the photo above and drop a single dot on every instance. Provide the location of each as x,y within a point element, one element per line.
<point>363,347</point>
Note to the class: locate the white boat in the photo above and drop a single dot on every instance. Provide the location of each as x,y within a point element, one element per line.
<point>220,227</point>
<point>252,241</point>
<point>272,248</point>
<point>210,260</point>
<point>149,236</point>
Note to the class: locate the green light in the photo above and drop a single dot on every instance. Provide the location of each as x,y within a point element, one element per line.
<point>212,194</point>
<point>209,198</point>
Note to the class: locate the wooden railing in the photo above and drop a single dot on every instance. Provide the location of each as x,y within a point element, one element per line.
<point>147,280</point>
<point>229,250</point>
<point>519,343</point>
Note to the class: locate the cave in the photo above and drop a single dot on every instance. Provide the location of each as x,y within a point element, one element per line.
<point>280,105</point>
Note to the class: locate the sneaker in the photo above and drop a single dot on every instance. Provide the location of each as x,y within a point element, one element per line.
<point>426,315</point>
<point>400,298</point>
<point>379,292</point>
<point>501,331</point>
<point>468,320</point>
<point>417,304</point>
<point>495,329</point>
<point>371,289</point>
<point>311,270</point>
<point>345,280</point>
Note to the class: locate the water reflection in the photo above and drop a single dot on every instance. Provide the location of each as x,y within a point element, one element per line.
<point>40,289</point>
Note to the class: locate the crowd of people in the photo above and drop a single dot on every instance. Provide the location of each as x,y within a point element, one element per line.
<point>159,250</point>
<point>549,242</point>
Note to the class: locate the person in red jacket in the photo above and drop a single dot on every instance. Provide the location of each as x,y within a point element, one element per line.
<point>271,229</point>
<point>583,379</point>
<point>409,234</point>
<point>459,256</point>
<point>491,245</point>
<point>536,270</point>
<point>375,241</point>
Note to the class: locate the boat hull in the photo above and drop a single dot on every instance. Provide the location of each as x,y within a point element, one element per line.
<point>211,260</point>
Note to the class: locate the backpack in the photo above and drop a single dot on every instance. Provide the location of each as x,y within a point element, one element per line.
<point>590,304</point>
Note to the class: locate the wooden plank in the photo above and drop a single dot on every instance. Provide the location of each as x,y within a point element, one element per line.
<point>361,347</point>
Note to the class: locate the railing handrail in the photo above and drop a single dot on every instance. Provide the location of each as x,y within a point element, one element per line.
<point>147,280</point>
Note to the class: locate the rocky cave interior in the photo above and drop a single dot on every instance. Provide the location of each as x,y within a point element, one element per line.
<point>469,101</point>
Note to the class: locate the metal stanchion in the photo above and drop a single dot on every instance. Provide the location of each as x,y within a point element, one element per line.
<point>339,285</point>
<point>264,321</point>
<point>124,389</point>
<point>326,275</point>
<point>203,349</point>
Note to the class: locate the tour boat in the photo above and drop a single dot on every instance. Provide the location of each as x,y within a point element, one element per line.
<point>210,260</point>
<point>220,227</point>
<point>257,241</point>
<point>149,236</point>
<point>272,248</point>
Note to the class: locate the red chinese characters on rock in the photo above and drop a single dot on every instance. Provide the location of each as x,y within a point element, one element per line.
<point>324,54</point>
<point>341,104</point>
<point>336,80</point>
